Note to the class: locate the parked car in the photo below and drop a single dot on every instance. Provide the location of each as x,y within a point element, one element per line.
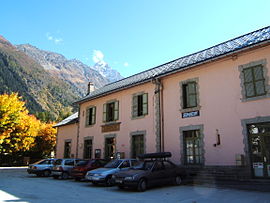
<point>41,168</point>
<point>62,167</point>
<point>104,175</point>
<point>79,171</point>
<point>155,169</point>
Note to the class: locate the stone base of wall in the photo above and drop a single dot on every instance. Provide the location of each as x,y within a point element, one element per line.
<point>219,172</point>
<point>237,177</point>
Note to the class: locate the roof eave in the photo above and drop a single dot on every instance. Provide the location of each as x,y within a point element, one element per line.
<point>69,123</point>
<point>113,91</point>
<point>260,44</point>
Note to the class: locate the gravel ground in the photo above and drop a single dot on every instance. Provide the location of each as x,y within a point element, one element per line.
<point>17,186</point>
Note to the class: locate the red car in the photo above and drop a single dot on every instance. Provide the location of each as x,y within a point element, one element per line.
<point>83,166</point>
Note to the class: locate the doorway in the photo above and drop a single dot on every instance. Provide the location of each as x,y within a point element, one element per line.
<point>110,148</point>
<point>259,143</point>
<point>137,145</point>
<point>87,152</point>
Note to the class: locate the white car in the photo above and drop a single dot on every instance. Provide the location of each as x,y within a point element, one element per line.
<point>104,175</point>
<point>41,168</point>
<point>62,168</point>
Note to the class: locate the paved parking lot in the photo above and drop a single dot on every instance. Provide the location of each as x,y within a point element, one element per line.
<point>17,186</point>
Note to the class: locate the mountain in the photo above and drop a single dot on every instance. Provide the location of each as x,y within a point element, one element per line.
<point>41,90</point>
<point>48,81</point>
<point>104,69</point>
<point>72,71</point>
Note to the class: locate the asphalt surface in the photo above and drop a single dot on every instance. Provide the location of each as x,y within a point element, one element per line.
<point>18,186</point>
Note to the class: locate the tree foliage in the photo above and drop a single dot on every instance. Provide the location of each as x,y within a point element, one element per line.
<point>45,140</point>
<point>21,132</point>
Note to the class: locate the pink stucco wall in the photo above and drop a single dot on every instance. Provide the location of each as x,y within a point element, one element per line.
<point>127,126</point>
<point>66,132</point>
<point>221,109</point>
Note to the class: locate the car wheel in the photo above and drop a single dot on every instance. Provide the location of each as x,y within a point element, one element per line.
<point>77,179</point>
<point>142,185</point>
<point>55,177</point>
<point>121,187</point>
<point>108,181</point>
<point>178,180</point>
<point>64,175</point>
<point>47,173</point>
<point>94,183</point>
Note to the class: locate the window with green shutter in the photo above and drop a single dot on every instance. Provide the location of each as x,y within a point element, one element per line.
<point>254,81</point>
<point>189,94</point>
<point>111,111</point>
<point>139,105</point>
<point>90,116</point>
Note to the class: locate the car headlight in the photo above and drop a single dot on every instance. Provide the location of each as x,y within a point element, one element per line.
<point>96,174</point>
<point>129,178</point>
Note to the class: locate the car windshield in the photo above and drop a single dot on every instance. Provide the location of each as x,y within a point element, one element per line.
<point>113,164</point>
<point>57,162</point>
<point>144,165</point>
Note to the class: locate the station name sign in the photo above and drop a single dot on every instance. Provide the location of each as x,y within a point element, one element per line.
<point>190,114</point>
<point>110,127</point>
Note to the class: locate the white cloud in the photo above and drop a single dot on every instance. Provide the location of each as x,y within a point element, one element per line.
<point>58,40</point>
<point>54,39</point>
<point>98,56</point>
<point>126,64</point>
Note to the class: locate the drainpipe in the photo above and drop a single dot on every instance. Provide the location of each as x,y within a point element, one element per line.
<point>57,134</point>
<point>162,118</point>
<point>159,121</point>
<point>78,133</point>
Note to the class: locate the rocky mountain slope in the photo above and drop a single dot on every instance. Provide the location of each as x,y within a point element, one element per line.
<point>105,70</point>
<point>41,90</point>
<point>72,71</point>
<point>48,81</point>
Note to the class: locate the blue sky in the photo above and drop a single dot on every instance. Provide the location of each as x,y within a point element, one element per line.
<point>131,36</point>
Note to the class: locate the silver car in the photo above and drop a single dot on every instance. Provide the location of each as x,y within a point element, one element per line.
<point>104,175</point>
<point>41,168</point>
<point>62,168</point>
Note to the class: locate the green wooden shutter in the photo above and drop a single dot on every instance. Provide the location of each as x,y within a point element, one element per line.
<point>116,110</point>
<point>248,82</point>
<point>93,115</point>
<point>192,96</point>
<point>145,104</point>
<point>259,80</point>
<point>104,113</point>
<point>87,117</point>
<point>134,106</point>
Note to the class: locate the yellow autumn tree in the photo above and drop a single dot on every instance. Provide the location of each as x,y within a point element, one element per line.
<point>45,140</point>
<point>18,129</point>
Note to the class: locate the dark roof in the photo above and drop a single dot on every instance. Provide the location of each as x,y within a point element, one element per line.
<point>69,120</point>
<point>245,41</point>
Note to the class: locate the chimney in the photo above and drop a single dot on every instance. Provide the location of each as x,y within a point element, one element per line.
<point>90,88</point>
